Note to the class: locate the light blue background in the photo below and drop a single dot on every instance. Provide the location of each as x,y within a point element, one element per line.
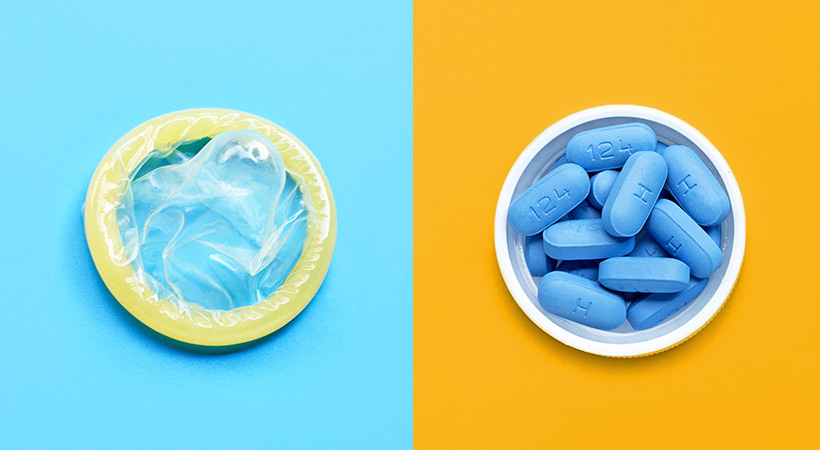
<point>75,368</point>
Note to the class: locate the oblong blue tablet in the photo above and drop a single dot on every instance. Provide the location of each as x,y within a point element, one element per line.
<point>683,239</point>
<point>537,261</point>
<point>581,300</point>
<point>653,309</point>
<point>582,268</point>
<point>560,161</point>
<point>646,246</point>
<point>659,148</point>
<point>634,194</point>
<point>585,211</point>
<point>694,187</point>
<point>639,274</point>
<point>609,147</point>
<point>584,239</point>
<point>714,233</point>
<point>549,199</point>
<point>600,186</point>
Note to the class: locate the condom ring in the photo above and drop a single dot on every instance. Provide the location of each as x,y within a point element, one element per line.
<point>158,308</point>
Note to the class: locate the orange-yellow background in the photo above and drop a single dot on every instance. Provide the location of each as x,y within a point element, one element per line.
<point>490,76</point>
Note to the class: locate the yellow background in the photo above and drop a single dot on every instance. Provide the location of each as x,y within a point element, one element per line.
<point>489,77</point>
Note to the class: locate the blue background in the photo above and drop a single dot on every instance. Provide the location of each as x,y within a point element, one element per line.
<point>75,367</point>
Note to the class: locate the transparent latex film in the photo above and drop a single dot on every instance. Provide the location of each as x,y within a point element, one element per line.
<point>215,223</point>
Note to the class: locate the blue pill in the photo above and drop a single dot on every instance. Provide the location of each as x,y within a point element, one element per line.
<point>537,261</point>
<point>638,274</point>
<point>647,247</point>
<point>549,199</point>
<point>634,194</point>
<point>584,239</point>
<point>609,147</point>
<point>630,296</point>
<point>583,269</point>
<point>585,211</point>
<point>683,239</point>
<point>560,161</point>
<point>653,309</point>
<point>660,147</point>
<point>714,233</point>
<point>694,187</point>
<point>581,300</point>
<point>601,185</point>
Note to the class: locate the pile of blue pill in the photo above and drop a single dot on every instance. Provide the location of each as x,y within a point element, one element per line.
<point>637,241</point>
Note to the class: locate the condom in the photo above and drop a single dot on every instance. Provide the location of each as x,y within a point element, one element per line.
<point>213,227</point>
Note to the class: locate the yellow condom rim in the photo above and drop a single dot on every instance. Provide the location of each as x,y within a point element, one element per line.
<point>190,323</point>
